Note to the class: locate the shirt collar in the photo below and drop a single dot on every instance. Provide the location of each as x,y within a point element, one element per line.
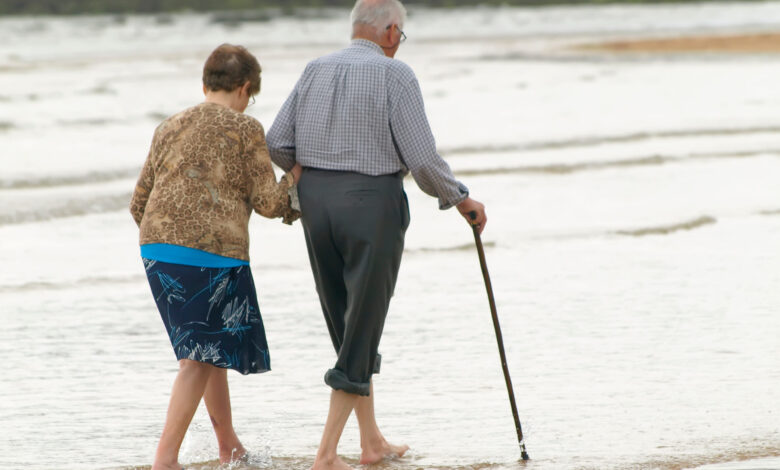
<point>366,44</point>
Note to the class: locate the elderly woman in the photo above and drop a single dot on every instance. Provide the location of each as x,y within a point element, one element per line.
<point>208,167</point>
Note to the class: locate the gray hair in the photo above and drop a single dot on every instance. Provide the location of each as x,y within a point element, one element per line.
<point>378,13</point>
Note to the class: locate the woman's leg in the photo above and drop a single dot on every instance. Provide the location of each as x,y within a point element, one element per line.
<point>217,398</point>
<point>374,445</point>
<point>186,394</point>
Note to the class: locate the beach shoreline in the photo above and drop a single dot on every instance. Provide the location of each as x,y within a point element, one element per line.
<point>712,43</point>
<point>635,278</point>
<point>765,463</point>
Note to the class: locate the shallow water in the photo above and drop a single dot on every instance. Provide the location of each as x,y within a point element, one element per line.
<point>632,244</point>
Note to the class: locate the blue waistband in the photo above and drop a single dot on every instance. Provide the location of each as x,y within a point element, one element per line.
<point>188,256</point>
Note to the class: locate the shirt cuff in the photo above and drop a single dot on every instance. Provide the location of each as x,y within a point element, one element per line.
<point>463,193</point>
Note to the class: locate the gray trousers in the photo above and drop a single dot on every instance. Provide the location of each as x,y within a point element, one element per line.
<point>354,226</point>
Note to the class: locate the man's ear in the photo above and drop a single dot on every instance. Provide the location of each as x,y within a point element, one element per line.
<point>388,35</point>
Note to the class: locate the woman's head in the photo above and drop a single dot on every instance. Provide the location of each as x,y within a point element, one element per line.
<point>230,67</point>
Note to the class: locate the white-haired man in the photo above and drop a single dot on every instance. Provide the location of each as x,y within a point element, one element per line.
<point>356,123</point>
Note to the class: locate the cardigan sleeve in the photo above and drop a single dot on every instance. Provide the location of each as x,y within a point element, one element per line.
<point>268,197</point>
<point>144,185</point>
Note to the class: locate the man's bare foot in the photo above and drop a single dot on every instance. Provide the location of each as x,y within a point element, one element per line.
<point>378,452</point>
<point>334,463</point>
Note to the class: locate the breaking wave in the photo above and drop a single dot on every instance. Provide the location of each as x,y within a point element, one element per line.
<point>609,139</point>
<point>37,182</point>
<point>76,283</point>
<point>668,229</point>
<point>68,208</point>
<point>466,247</point>
<point>100,90</point>
<point>89,122</point>
<point>567,168</point>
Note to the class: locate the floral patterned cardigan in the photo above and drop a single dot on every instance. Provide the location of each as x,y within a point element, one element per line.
<point>207,169</point>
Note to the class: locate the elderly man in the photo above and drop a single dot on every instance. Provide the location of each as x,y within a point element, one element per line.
<point>356,123</point>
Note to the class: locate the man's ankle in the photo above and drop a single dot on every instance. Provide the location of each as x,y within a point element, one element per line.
<point>372,439</point>
<point>326,457</point>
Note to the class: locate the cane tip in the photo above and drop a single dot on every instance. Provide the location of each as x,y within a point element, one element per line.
<point>524,455</point>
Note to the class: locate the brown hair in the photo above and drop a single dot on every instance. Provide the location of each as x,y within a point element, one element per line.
<point>229,67</point>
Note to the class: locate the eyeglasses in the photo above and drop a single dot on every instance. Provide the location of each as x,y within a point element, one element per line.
<point>403,36</point>
<point>253,101</point>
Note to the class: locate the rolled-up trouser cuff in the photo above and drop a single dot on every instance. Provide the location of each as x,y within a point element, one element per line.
<point>339,381</point>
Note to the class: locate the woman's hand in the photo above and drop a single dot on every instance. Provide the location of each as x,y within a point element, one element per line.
<point>296,172</point>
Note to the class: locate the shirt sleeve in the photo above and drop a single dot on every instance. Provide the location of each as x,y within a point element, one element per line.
<point>281,135</point>
<point>417,148</point>
<point>267,197</point>
<point>143,187</point>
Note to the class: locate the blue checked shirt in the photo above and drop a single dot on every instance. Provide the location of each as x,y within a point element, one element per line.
<point>358,110</point>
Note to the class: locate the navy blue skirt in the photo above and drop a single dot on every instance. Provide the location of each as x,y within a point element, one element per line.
<point>211,314</point>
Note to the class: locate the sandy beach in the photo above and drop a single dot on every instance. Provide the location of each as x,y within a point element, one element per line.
<point>632,244</point>
<point>730,44</point>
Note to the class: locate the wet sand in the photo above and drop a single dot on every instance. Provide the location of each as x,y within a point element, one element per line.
<point>743,43</point>
<point>655,349</point>
<point>771,463</point>
<point>264,462</point>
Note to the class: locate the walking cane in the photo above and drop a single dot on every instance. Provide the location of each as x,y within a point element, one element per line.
<point>499,338</point>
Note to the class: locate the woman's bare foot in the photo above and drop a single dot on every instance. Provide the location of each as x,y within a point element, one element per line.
<point>334,463</point>
<point>162,466</point>
<point>233,454</point>
<point>380,451</point>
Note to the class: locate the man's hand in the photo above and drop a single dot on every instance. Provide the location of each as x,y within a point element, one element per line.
<point>469,205</point>
<point>296,172</point>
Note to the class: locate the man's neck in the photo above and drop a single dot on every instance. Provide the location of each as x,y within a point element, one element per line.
<point>364,37</point>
